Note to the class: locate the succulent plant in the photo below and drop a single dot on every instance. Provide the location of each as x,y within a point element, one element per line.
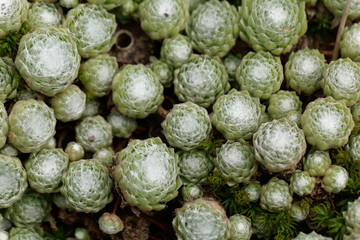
<point>279,145</point>
<point>14,180</point>
<point>353,147</point>
<point>110,223</point>
<point>12,15</point>
<point>125,12</point>
<point>94,133</point>
<point>156,164</point>
<point>201,80</point>
<point>23,92</point>
<point>195,166</point>
<point>93,28</point>
<point>352,217</point>
<point>253,190</point>
<point>32,124</point>
<point>237,115</point>
<point>342,81</point>
<point>48,60</point>
<point>349,46</point>
<point>164,71</point>
<point>51,143</point>
<point>298,211</point>
<point>265,117</point>
<point>232,62</point>
<point>163,18</point>
<point>316,163</point>
<point>240,227</point>
<point>176,50</point>
<point>337,7</point>
<point>92,108</point>
<point>9,150</point>
<point>20,233</point>
<point>69,3</point>
<point>282,103</point>
<point>74,151</point>
<point>260,73</point>
<point>87,186</point>
<point>137,91</point>
<point>327,123</point>
<point>122,126</point>
<point>108,4</point>
<point>105,156</point>
<point>9,79</point>
<point>304,70</point>
<point>60,201</point>
<point>191,191</point>
<point>186,126</point>
<point>46,168</point>
<point>82,234</point>
<point>276,195</point>
<point>97,73</point>
<point>311,236</point>
<point>335,179</point>
<point>69,105</point>
<point>4,126</point>
<point>273,26</point>
<point>302,183</point>
<point>44,15</point>
<point>352,236</point>
<point>29,211</point>
<point>236,162</point>
<point>213,27</point>
<point>355,111</point>
<point>201,219</point>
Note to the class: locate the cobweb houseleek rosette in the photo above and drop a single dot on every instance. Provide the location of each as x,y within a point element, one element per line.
<point>12,15</point>
<point>349,45</point>
<point>97,73</point>
<point>94,133</point>
<point>163,18</point>
<point>69,105</point>
<point>195,166</point>
<point>176,50</point>
<point>158,167</point>
<point>31,125</point>
<point>14,180</point>
<point>137,91</point>
<point>201,80</point>
<point>327,123</point>
<point>93,28</point>
<point>201,219</point>
<point>272,25</point>
<point>279,145</point>
<point>4,125</point>
<point>44,15</point>
<point>87,186</point>
<point>10,79</point>
<point>48,59</point>
<point>236,162</point>
<point>276,195</point>
<point>237,115</point>
<point>304,70</point>
<point>261,74</point>
<point>186,126</point>
<point>46,168</point>
<point>342,81</point>
<point>30,210</point>
<point>337,7</point>
<point>213,27</point>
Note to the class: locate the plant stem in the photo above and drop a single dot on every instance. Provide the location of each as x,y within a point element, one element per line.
<point>341,30</point>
